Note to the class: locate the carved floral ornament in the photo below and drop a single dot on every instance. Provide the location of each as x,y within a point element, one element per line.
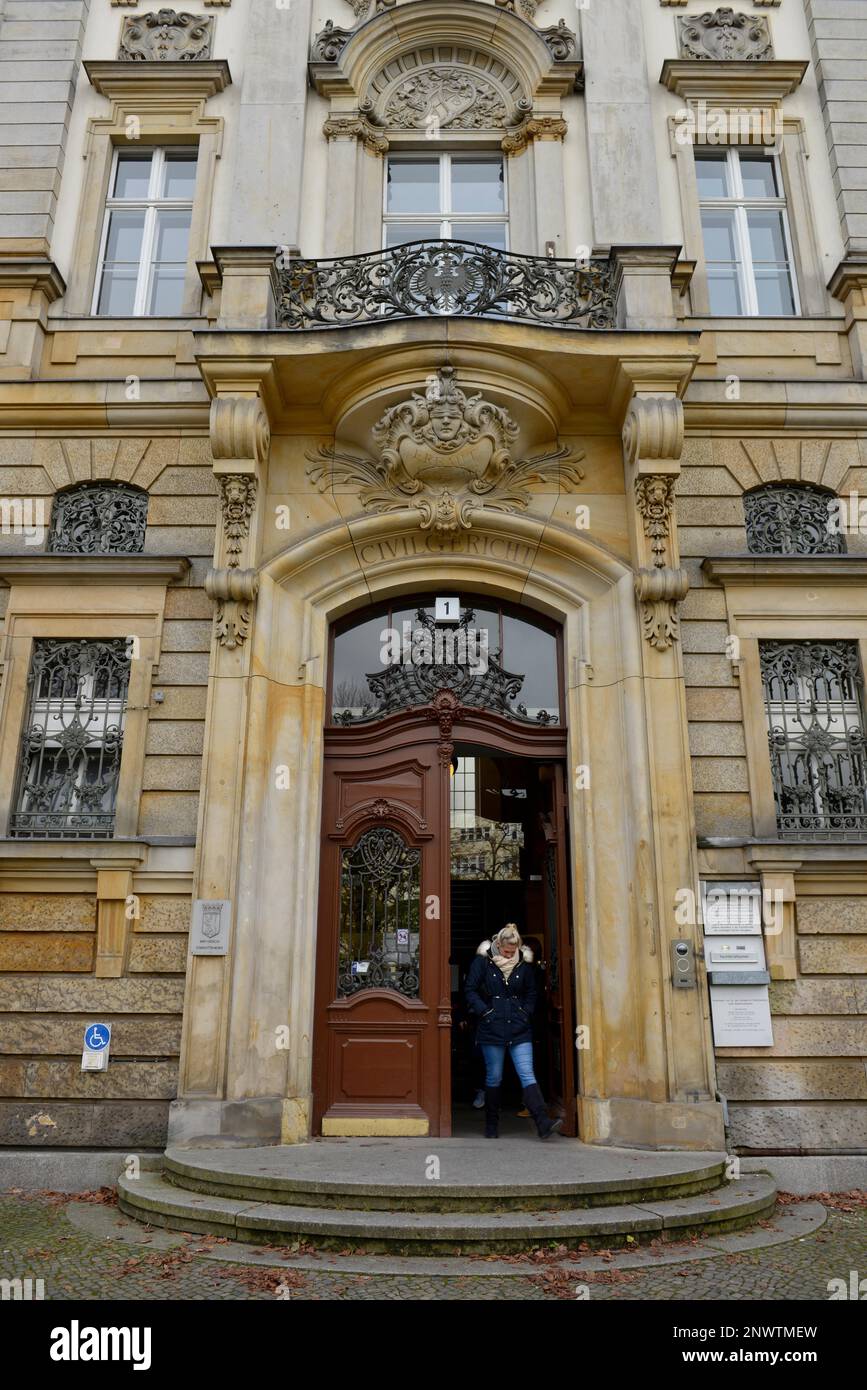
<point>166,35</point>
<point>726,35</point>
<point>445,455</point>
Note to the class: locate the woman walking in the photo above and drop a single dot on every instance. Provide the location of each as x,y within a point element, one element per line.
<point>501,993</point>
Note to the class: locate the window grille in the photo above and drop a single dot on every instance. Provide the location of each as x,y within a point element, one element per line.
<point>98,519</point>
<point>792,519</point>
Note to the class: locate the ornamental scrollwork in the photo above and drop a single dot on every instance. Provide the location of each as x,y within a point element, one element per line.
<point>237,500</point>
<point>560,41</point>
<point>450,97</point>
<point>653,428</point>
<point>234,592</point>
<point>329,43</point>
<point>166,36</point>
<point>98,519</point>
<point>659,591</point>
<point>725,35</point>
<point>445,455</point>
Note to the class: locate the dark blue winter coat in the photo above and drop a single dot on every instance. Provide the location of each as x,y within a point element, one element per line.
<point>503,1008</point>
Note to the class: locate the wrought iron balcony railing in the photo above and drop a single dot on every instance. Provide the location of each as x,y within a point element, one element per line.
<point>457,278</point>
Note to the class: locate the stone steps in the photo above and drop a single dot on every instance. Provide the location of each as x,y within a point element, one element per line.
<point>153,1199</point>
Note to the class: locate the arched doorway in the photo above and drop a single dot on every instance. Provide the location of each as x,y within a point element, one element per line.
<point>444,811</point>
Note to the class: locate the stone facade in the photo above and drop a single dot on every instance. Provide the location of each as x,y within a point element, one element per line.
<point>219,412</point>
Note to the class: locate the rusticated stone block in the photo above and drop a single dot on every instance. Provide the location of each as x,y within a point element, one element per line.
<point>52,951</point>
<point>811,1037</point>
<point>717,740</point>
<point>840,955</point>
<point>720,775</point>
<point>837,916</point>
<point>46,912</point>
<point>141,995</point>
<point>158,955</point>
<point>175,736</point>
<point>800,1128</point>
<point>66,1080</point>
<point>813,997</point>
<point>714,705</point>
<point>794,1080</point>
<point>84,1124</point>
<point>729,813</point>
<point>168,813</point>
<point>64,1036</point>
<point>164,914</point>
<point>180,702</point>
<point>172,774</point>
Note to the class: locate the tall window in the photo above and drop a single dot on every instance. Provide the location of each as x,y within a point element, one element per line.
<point>813,702</point>
<point>72,741</point>
<point>747,246</point>
<point>98,519</point>
<point>446,197</point>
<point>792,519</point>
<point>143,255</point>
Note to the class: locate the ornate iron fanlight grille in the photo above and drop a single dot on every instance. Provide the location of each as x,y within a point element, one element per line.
<point>412,684</point>
<point>792,520</point>
<point>459,278</point>
<point>813,700</point>
<point>380,906</point>
<point>98,519</point>
<point>72,743</point>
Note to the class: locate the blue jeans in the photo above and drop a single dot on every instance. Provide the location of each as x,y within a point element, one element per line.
<point>522,1057</point>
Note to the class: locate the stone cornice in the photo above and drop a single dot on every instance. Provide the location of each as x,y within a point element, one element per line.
<point>92,569</point>
<point>786,569</point>
<point>733,83</point>
<point>32,273</point>
<point>189,81</point>
<point>851,274</point>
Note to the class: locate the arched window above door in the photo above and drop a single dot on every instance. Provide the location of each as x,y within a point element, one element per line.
<point>491,656</point>
<point>792,519</point>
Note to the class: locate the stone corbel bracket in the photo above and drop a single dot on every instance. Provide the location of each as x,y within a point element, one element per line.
<point>240,440</point>
<point>234,592</point>
<point>659,591</point>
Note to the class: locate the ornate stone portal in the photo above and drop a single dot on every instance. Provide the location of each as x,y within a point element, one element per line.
<point>445,455</point>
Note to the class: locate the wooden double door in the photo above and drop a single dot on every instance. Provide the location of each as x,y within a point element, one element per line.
<point>383,1015</point>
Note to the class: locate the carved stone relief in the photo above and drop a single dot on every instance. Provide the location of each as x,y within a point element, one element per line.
<point>446,455</point>
<point>450,96</point>
<point>237,499</point>
<point>659,591</point>
<point>654,497</point>
<point>234,592</point>
<point>166,36</point>
<point>725,34</point>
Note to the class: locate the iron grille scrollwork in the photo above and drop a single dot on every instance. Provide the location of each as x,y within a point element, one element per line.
<point>380,906</point>
<point>98,519</point>
<point>795,519</point>
<point>458,278</point>
<point>412,684</point>
<point>813,700</point>
<point>72,742</point>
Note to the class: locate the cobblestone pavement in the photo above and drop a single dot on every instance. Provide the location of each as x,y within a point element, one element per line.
<point>110,1260</point>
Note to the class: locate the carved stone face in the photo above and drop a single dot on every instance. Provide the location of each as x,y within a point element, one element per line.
<point>447,421</point>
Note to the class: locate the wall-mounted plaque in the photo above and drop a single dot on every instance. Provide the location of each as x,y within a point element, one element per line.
<point>210,928</point>
<point>741,1016</point>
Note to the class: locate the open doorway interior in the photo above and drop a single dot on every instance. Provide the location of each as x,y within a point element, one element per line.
<point>507,865</point>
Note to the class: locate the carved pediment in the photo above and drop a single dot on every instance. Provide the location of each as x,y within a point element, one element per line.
<point>725,34</point>
<point>166,36</point>
<point>445,454</point>
<point>450,88</point>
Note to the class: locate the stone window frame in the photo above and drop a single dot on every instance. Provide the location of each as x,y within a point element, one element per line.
<point>68,598</point>
<point>806,261</point>
<point>788,599</point>
<point>156,109</point>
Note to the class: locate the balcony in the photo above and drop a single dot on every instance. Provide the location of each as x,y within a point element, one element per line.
<point>447,279</point>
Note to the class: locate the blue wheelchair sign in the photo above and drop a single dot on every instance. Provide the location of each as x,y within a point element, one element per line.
<point>97,1036</point>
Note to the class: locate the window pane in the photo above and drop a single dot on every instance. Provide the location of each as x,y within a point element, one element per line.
<point>132,176</point>
<point>724,292</point>
<point>758,177</point>
<point>711,176</point>
<point>124,236</point>
<point>180,176</point>
<point>413,185</point>
<point>767,241</point>
<point>532,653</point>
<point>477,185</point>
<point>488,233</point>
<point>173,231</point>
<point>774,292</point>
<point>719,236</point>
<point>397,233</point>
<point>117,292</point>
<point>167,291</point>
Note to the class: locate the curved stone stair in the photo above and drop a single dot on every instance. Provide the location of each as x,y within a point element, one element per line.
<point>367,1197</point>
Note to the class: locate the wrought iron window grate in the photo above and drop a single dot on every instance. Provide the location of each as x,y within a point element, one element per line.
<point>450,278</point>
<point>98,519</point>
<point>793,519</point>
<point>814,706</point>
<point>72,742</point>
<point>380,900</point>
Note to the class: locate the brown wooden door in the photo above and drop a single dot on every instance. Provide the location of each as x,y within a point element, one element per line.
<point>558,922</point>
<point>383,1017</point>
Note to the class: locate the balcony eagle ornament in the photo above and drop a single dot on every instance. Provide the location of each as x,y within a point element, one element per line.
<point>445,455</point>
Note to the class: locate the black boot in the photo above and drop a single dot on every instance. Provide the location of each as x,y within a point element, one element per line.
<point>492,1112</point>
<point>535,1103</point>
